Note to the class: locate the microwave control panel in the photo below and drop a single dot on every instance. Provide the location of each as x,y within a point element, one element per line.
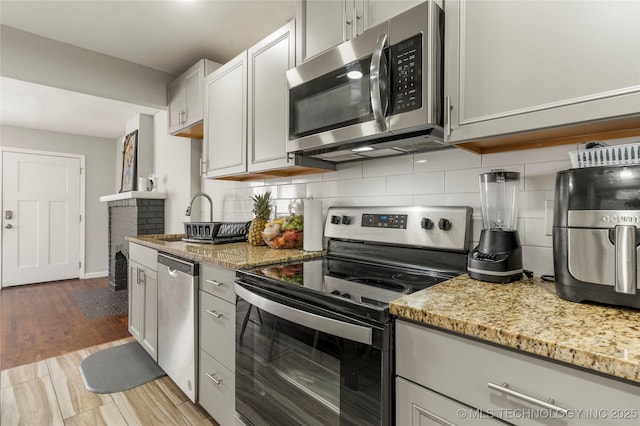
<point>406,72</point>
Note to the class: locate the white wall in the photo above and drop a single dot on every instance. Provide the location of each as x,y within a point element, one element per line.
<point>29,57</point>
<point>447,177</point>
<point>176,166</point>
<point>99,159</point>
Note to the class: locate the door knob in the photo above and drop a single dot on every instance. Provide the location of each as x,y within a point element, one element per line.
<point>8,226</point>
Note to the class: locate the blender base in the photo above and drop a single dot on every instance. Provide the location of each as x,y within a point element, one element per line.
<point>497,258</point>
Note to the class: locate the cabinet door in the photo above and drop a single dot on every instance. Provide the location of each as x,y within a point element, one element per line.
<point>136,301</point>
<point>268,128</point>
<point>526,65</point>
<point>149,335</point>
<point>418,406</point>
<point>193,95</point>
<point>176,94</point>
<point>323,24</point>
<point>378,11</point>
<point>226,118</point>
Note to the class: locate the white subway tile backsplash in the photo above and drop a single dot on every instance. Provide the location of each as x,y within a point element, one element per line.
<point>448,159</point>
<point>460,199</point>
<point>447,177</point>
<point>532,203</point>
<point>538,259</point>
<point>462,180</point>
<point>315,177</point>
<point>323,189</point>
<point>345,171</point>
<point>422,183</point>
<point>394,200</point>
<point>363,187</point>
<point>534,233</point>
<point>542,176</point>
<point>399,165</point>
<point>292,191</point>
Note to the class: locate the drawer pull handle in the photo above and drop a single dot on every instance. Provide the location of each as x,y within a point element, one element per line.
<point>216,283</point>
<point>544,404</point>
<point>213,313</point>
<point>213,379</point>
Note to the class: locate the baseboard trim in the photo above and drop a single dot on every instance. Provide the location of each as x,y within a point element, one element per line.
<point>98,274</point>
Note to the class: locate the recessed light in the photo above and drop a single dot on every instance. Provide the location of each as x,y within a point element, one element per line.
<point>354,75</point>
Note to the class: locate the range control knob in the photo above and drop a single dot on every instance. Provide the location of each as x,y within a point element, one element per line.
<point>335,220</point>
<point>346,220</point>
<point>444,224</point>
<point>426,223</point>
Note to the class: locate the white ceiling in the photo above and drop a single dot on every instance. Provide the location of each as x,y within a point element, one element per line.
<point>169,36</point>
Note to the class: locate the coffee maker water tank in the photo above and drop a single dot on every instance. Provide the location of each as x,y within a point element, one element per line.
<point>596,233</point>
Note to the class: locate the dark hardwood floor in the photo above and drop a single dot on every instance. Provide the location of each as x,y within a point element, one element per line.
<point>40,321</point>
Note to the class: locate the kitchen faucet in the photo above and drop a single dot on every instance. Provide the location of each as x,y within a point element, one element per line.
<point>188,212</point>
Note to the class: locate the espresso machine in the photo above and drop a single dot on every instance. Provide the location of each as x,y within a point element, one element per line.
<point>596,232</point>
<point>498,256</point>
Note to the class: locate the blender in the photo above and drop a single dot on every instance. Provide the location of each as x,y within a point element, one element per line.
<point>498,256</point>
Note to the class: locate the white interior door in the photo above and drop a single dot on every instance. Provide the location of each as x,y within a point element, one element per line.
<point>41,218</point>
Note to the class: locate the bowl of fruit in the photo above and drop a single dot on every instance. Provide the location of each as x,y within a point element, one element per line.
<point>284,232</point>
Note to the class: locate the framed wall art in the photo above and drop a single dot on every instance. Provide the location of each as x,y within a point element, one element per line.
<point>129,162</point>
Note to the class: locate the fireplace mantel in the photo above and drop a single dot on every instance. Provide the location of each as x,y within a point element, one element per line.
<point>152,195</point>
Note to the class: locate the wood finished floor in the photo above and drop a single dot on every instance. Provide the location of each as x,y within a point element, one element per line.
<point>44,337</point>
<point>40,321</point>
<point>51,392</point>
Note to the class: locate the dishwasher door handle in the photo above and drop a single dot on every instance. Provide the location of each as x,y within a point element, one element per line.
<point>330,326</point>
<point>172,272</point>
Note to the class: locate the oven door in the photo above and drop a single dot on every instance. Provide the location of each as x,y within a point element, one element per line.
<point>297,364</point>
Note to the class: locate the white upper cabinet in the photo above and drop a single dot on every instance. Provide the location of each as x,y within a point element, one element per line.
<point>225,120</point>
<point>269,60</point>
<point>185,99</point>
<point>514,67</point>
<point>324,24</point>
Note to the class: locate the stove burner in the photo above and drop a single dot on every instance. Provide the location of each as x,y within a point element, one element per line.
<point>407,278</point>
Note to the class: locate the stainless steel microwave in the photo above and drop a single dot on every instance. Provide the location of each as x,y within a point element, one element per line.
<point>378,94</point>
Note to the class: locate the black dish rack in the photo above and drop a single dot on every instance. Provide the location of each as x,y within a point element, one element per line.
<point>216,232</point>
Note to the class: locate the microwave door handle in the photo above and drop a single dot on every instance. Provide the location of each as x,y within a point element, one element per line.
<point>374,86</point>
<point>310,320</point>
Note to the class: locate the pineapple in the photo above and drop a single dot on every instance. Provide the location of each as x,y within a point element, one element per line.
<point>262,211</point>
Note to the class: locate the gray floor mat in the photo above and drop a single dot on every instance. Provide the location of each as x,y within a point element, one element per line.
<point>118,368</point>
<point>101,302</point>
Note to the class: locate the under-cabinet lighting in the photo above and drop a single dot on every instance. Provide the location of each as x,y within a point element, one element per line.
<point>362,149</point>
<point>354,75</point>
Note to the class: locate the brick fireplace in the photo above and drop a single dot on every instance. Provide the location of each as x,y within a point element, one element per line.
<point>129,217</point>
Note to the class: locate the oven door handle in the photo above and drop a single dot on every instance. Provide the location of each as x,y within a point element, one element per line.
<point>330,326</point>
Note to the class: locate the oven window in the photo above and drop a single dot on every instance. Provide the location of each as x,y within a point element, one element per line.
<point>288,374</point>
<point>334,100</point>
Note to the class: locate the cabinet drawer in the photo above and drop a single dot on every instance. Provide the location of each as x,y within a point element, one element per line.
<point>416,405</point>
<point>217,329</point>
<point>144,255</point>
<point>217,398</point>
<point>463,369</point>
<point>218,281</point>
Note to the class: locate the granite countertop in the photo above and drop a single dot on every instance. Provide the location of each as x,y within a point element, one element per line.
<point>527,315</point>
<point>232,255</point>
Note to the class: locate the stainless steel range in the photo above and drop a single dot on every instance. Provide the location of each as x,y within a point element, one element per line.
<point>314,339</point>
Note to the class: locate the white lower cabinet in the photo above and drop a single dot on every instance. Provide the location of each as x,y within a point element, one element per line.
<point>418,406</point>
<point>501,384</point>
<point>216,377</point>
<point>143,297</point>
<point>217,389</point>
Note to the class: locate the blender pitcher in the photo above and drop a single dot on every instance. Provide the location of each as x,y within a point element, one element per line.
<point>498,256</point>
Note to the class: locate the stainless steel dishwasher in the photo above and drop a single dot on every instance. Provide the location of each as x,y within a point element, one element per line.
<point>178,321</point>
